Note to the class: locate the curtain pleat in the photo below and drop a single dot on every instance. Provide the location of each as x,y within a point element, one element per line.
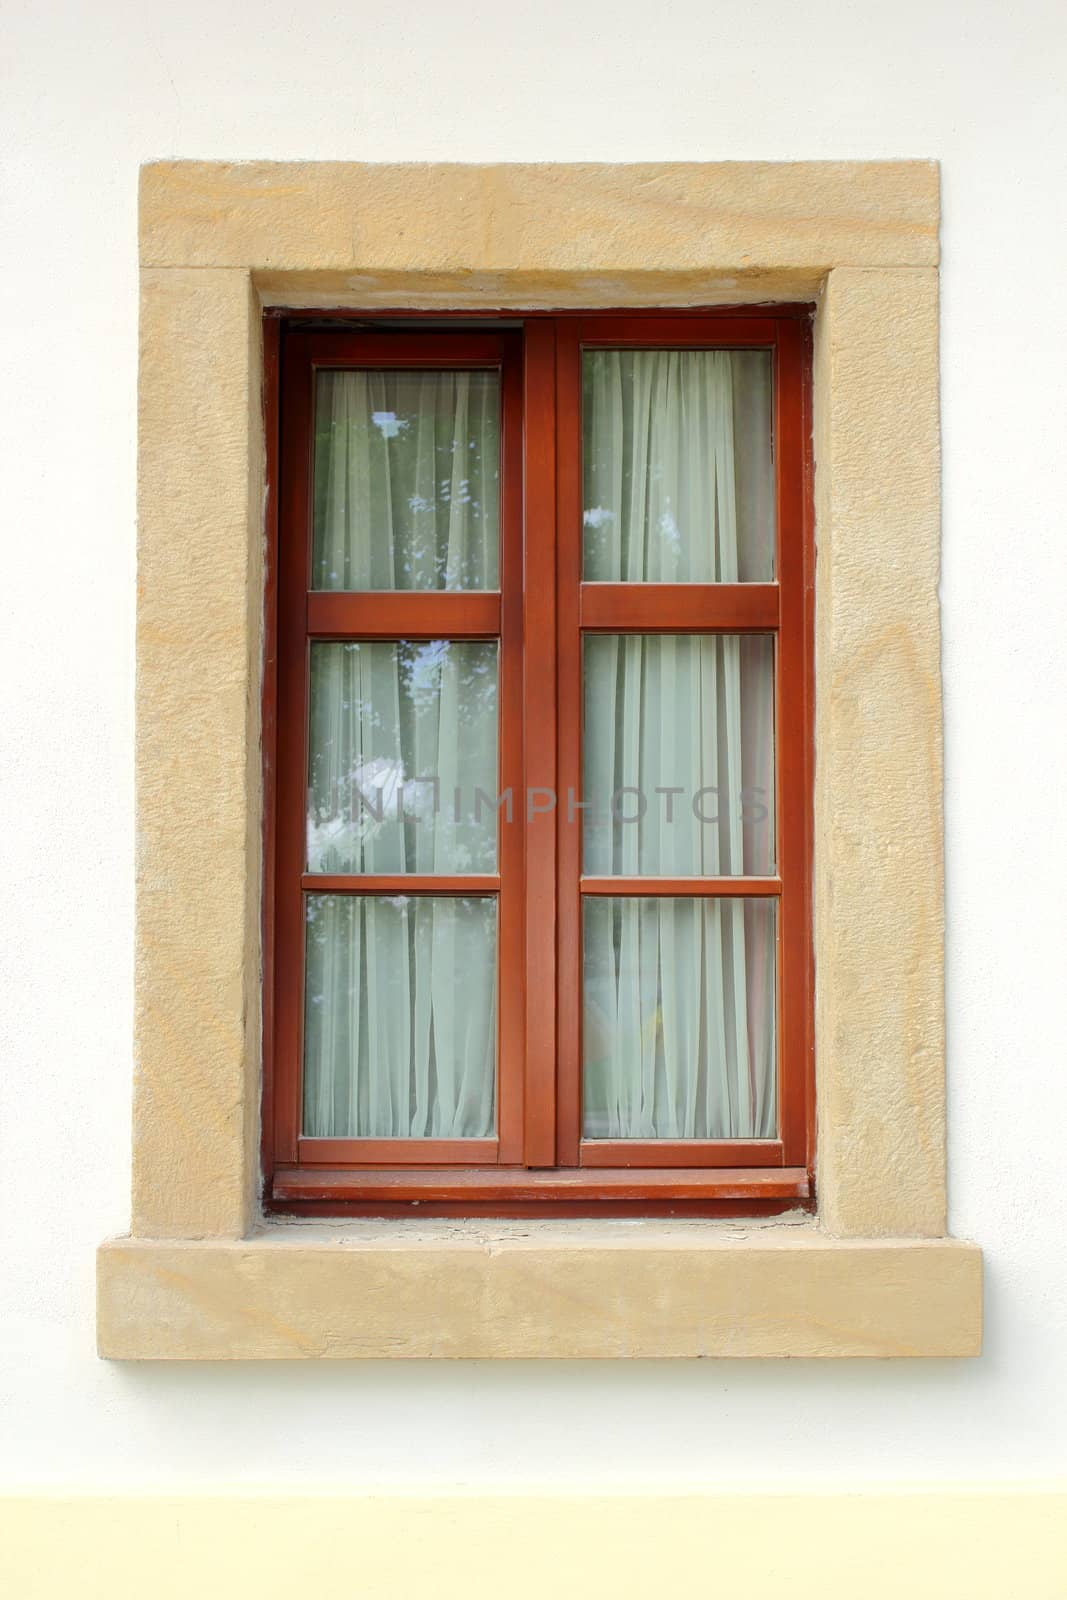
<point>407,480</point>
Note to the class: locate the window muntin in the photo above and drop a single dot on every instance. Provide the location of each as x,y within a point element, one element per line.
<point>732,624</point>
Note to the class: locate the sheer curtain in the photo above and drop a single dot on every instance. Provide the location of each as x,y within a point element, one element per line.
<point>400,998</point>
<point>679,1030</point>
<point>407,480</point>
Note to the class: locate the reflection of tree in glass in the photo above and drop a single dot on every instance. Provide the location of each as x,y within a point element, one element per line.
<point>423,665</point>
<point>407,470</point>
<point>396,728</point>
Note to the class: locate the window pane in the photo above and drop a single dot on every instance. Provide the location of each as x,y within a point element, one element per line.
<point>400,1017</point>
<point>403,756</point>
<point>678,754</point>
<point>678,478</point>
<point>407,480</point>
<point>679,1019</point>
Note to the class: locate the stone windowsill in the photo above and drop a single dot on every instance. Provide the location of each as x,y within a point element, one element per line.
<point>540,1289</point>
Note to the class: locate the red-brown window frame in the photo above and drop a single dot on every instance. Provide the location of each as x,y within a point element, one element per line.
<point>539,1164</point>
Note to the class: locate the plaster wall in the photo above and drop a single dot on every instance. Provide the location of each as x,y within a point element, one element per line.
<point>99,89</point>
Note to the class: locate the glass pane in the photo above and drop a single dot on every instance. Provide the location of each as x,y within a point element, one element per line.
<point>400,1017</point>
<point>678,1037</point>
<point>407,480</point>
<point>678,754</point>
<point>678,476</point>
<point>402,767</point>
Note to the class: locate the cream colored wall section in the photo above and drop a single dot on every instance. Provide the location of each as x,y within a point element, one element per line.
<point>217,238</point>
<point>985,1546</point>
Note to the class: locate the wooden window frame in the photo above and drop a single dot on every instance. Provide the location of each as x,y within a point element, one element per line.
<point>539,1164</point>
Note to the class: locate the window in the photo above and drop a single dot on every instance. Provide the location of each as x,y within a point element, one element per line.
<point>539,792</point>
<point>201,1274</point>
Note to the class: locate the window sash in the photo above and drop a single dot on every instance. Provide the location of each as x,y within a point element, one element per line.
<point>782,608</point>
<point>306,616</point>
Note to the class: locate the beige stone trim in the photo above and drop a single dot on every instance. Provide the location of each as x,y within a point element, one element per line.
<point>528,290</point>
<point>199,638</point>
<point>542,1289</point>
<point>700,218</point>
<point>879,893</point>
<point>216,241</point>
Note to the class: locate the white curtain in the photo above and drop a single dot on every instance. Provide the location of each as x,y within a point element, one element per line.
<point>400,1029</point>
<point>679,1036</point>
<point>400,995</point>
<point>407,480</point>
<point>678,486</point>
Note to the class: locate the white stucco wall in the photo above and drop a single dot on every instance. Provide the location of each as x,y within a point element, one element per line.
<point>96,89</point>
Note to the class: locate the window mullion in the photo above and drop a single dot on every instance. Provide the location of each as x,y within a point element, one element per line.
<point>540,779</point>
<point>569,708</point>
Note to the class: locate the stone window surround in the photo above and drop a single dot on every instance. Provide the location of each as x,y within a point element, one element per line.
<point>202,1275</point>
